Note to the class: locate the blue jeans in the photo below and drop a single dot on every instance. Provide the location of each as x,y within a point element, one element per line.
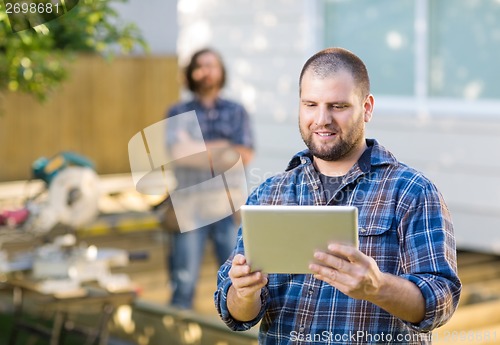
<point>186,252</point>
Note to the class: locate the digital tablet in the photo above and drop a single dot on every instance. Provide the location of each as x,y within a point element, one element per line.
<point>283,239</point>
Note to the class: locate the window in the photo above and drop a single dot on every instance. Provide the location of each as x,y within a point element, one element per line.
<point>464,48</point>
<point>381,33</point>
<point>431,49</point>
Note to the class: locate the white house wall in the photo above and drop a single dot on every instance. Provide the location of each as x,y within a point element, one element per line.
<point>459,155</point>
<point>157,21</point>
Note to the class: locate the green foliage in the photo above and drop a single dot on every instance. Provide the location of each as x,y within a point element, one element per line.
<point>37,60</point>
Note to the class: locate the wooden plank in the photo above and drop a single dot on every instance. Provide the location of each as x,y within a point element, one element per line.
<point>480,291</point>
<point>473,258</point>
<point>474,316</point>
<point>477,273</point>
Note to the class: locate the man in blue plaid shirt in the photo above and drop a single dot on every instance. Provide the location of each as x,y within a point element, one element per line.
<point>401,283</point>
<point>222,127</point>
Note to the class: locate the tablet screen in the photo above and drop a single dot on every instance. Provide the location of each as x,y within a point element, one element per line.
<point>283,239</point>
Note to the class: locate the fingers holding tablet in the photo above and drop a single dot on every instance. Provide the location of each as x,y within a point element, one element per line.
<point>245,282</point>
<point>349,270</point>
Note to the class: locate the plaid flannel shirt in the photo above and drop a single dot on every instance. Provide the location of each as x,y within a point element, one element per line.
<point>227,120</point>
<point>404,225</point>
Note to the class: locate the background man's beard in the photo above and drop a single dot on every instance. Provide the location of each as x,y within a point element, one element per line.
<point>204,87</point>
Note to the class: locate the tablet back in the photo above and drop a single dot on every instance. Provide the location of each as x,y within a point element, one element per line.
<point>282,239</point>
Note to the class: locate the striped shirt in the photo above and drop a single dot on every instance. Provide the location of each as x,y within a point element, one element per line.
<point>227,120</point>
<point>404,225</point>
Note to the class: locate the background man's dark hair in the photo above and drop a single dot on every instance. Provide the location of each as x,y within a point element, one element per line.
<point>332,60</point>
<point>193,63</point>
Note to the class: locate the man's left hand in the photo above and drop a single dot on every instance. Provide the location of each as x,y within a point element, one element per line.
<point>349,270</point>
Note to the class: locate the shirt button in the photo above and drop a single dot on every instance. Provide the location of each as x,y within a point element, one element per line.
<point>311,291</point>
<point>303,160</point>
<point>315,186</point>
<point>302,329</point>
<point>362,230</point>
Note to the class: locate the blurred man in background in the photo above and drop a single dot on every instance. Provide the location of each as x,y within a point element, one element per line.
<point>226,132</point>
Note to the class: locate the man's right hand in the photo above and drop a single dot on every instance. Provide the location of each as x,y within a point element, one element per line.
<point>244,294</point>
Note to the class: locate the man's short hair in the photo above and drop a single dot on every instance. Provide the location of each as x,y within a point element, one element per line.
<point>332,60</point>
<point>191,84</point>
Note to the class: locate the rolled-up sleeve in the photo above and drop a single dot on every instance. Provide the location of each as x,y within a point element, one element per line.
<point>441,298</point>
<point>428,257</point>
<point>223,285</point>
<point>221,305</point>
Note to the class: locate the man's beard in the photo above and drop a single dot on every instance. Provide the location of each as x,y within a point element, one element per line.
<point>203,86</point>
<point>336,151</point>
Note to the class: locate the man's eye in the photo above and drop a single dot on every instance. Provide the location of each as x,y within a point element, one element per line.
<point>309,105</point>
<point>339,106</point>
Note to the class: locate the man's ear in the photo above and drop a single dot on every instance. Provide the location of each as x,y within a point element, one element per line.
<point>368,106</point>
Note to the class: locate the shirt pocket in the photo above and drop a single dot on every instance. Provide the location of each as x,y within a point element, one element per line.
<point>373,230</point>
<point>378,240</point>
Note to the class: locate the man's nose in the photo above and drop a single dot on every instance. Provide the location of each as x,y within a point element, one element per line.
<point>323,117</point>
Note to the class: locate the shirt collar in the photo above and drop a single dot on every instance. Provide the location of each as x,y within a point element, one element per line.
<point>374,155</point>
<point>196,103</point>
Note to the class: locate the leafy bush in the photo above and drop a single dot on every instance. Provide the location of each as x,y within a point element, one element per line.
<point>36,60</point>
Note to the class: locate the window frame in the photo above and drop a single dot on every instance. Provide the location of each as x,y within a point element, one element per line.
<point>421,103</point>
